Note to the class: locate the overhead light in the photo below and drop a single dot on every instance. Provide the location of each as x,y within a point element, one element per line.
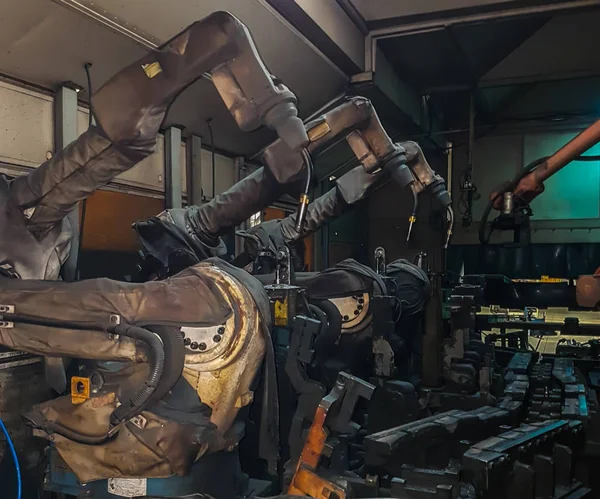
<point>332,178</point>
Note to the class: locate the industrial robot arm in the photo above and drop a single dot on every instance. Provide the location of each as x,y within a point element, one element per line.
<point>357,122</point>
<point>129,110</point>
<point>215,350</point>
<point>267,238</point>
<point>513,197</point>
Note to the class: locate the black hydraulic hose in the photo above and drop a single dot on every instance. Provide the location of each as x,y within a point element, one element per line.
<point>304,199</point>
<point>212,155</point>
<point>87,67</point>
<point>413,216</point>
<point>141,398</point>
<point>53,323</point>
<point>334,325</point>
<point>172,340</point>
<point>588,158</point>
<point>53,427</point>
<point>450,225</point>
<point>138,401</point>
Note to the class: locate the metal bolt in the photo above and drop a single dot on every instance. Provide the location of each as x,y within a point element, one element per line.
<point>361,300</point>
<point>182,333</point>
<point>360,307</point>
<point>194,345</point>
<point>221,330</point>
<point>356,312</point>
<point>346,317</point>
<point>372,479</point>
<point>202,346</point>
<point>216,338</point>
<point>187,342</point>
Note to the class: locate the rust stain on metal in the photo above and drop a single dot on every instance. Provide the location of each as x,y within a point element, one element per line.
<point>305,481</point>
<point>103,400</point>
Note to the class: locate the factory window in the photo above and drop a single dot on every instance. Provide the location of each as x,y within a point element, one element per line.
<point>255,219</point>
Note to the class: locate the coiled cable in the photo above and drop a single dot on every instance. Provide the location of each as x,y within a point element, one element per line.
<point>13,452</point>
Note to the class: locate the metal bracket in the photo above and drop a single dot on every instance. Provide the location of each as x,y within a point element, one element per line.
<point>335,411</point>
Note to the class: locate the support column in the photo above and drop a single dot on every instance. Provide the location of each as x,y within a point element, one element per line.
<point>65,132</point>
<point>173,173</point>
<point>241,172</point>
<point>193,166</point>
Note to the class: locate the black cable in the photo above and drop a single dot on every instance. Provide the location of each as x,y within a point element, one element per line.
<point>138,400</point>
<point>413,216</point>
<point>588,158</point>
<point>304,199</point>
<point>484,236</point>
<point>212,154</point>
<point>87,67</point>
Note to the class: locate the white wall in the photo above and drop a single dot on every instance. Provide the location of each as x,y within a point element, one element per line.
<point>27,140</point>
<point>26,126</point>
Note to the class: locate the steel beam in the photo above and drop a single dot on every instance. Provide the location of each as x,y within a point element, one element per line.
<point>65,132</point>
<point>406,100</point>
<point>193,166</point>
<point>440,23</point>
<point>327,26</point>
<point>173,184</point>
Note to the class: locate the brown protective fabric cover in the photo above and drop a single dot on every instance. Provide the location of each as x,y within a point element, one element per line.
<point>161,449</point>
<point>235,205</point>
<point>55,187</point>
<point>163,445</point>
<point>346,278</point>
<point>188,298</point>
<point>36,245</point>
<point>22,254</point>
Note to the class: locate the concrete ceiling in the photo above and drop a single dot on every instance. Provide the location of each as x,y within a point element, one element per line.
<point>46,43</point>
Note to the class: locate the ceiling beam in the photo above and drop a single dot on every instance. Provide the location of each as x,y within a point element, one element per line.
<point>531,8</point>
<point>327,26</point>
<point>407,103</point>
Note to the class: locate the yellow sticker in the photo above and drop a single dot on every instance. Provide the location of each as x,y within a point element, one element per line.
<point>153,69</point>
<point>318,131</point>
<point>281,312</point>
<point>80,389</point>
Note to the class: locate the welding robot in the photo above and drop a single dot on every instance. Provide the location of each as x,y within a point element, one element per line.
<point>133,414</point>
<point>360,329</point>
<point>171,241</point>
<point>513,198</point>
<point>349,285</point>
